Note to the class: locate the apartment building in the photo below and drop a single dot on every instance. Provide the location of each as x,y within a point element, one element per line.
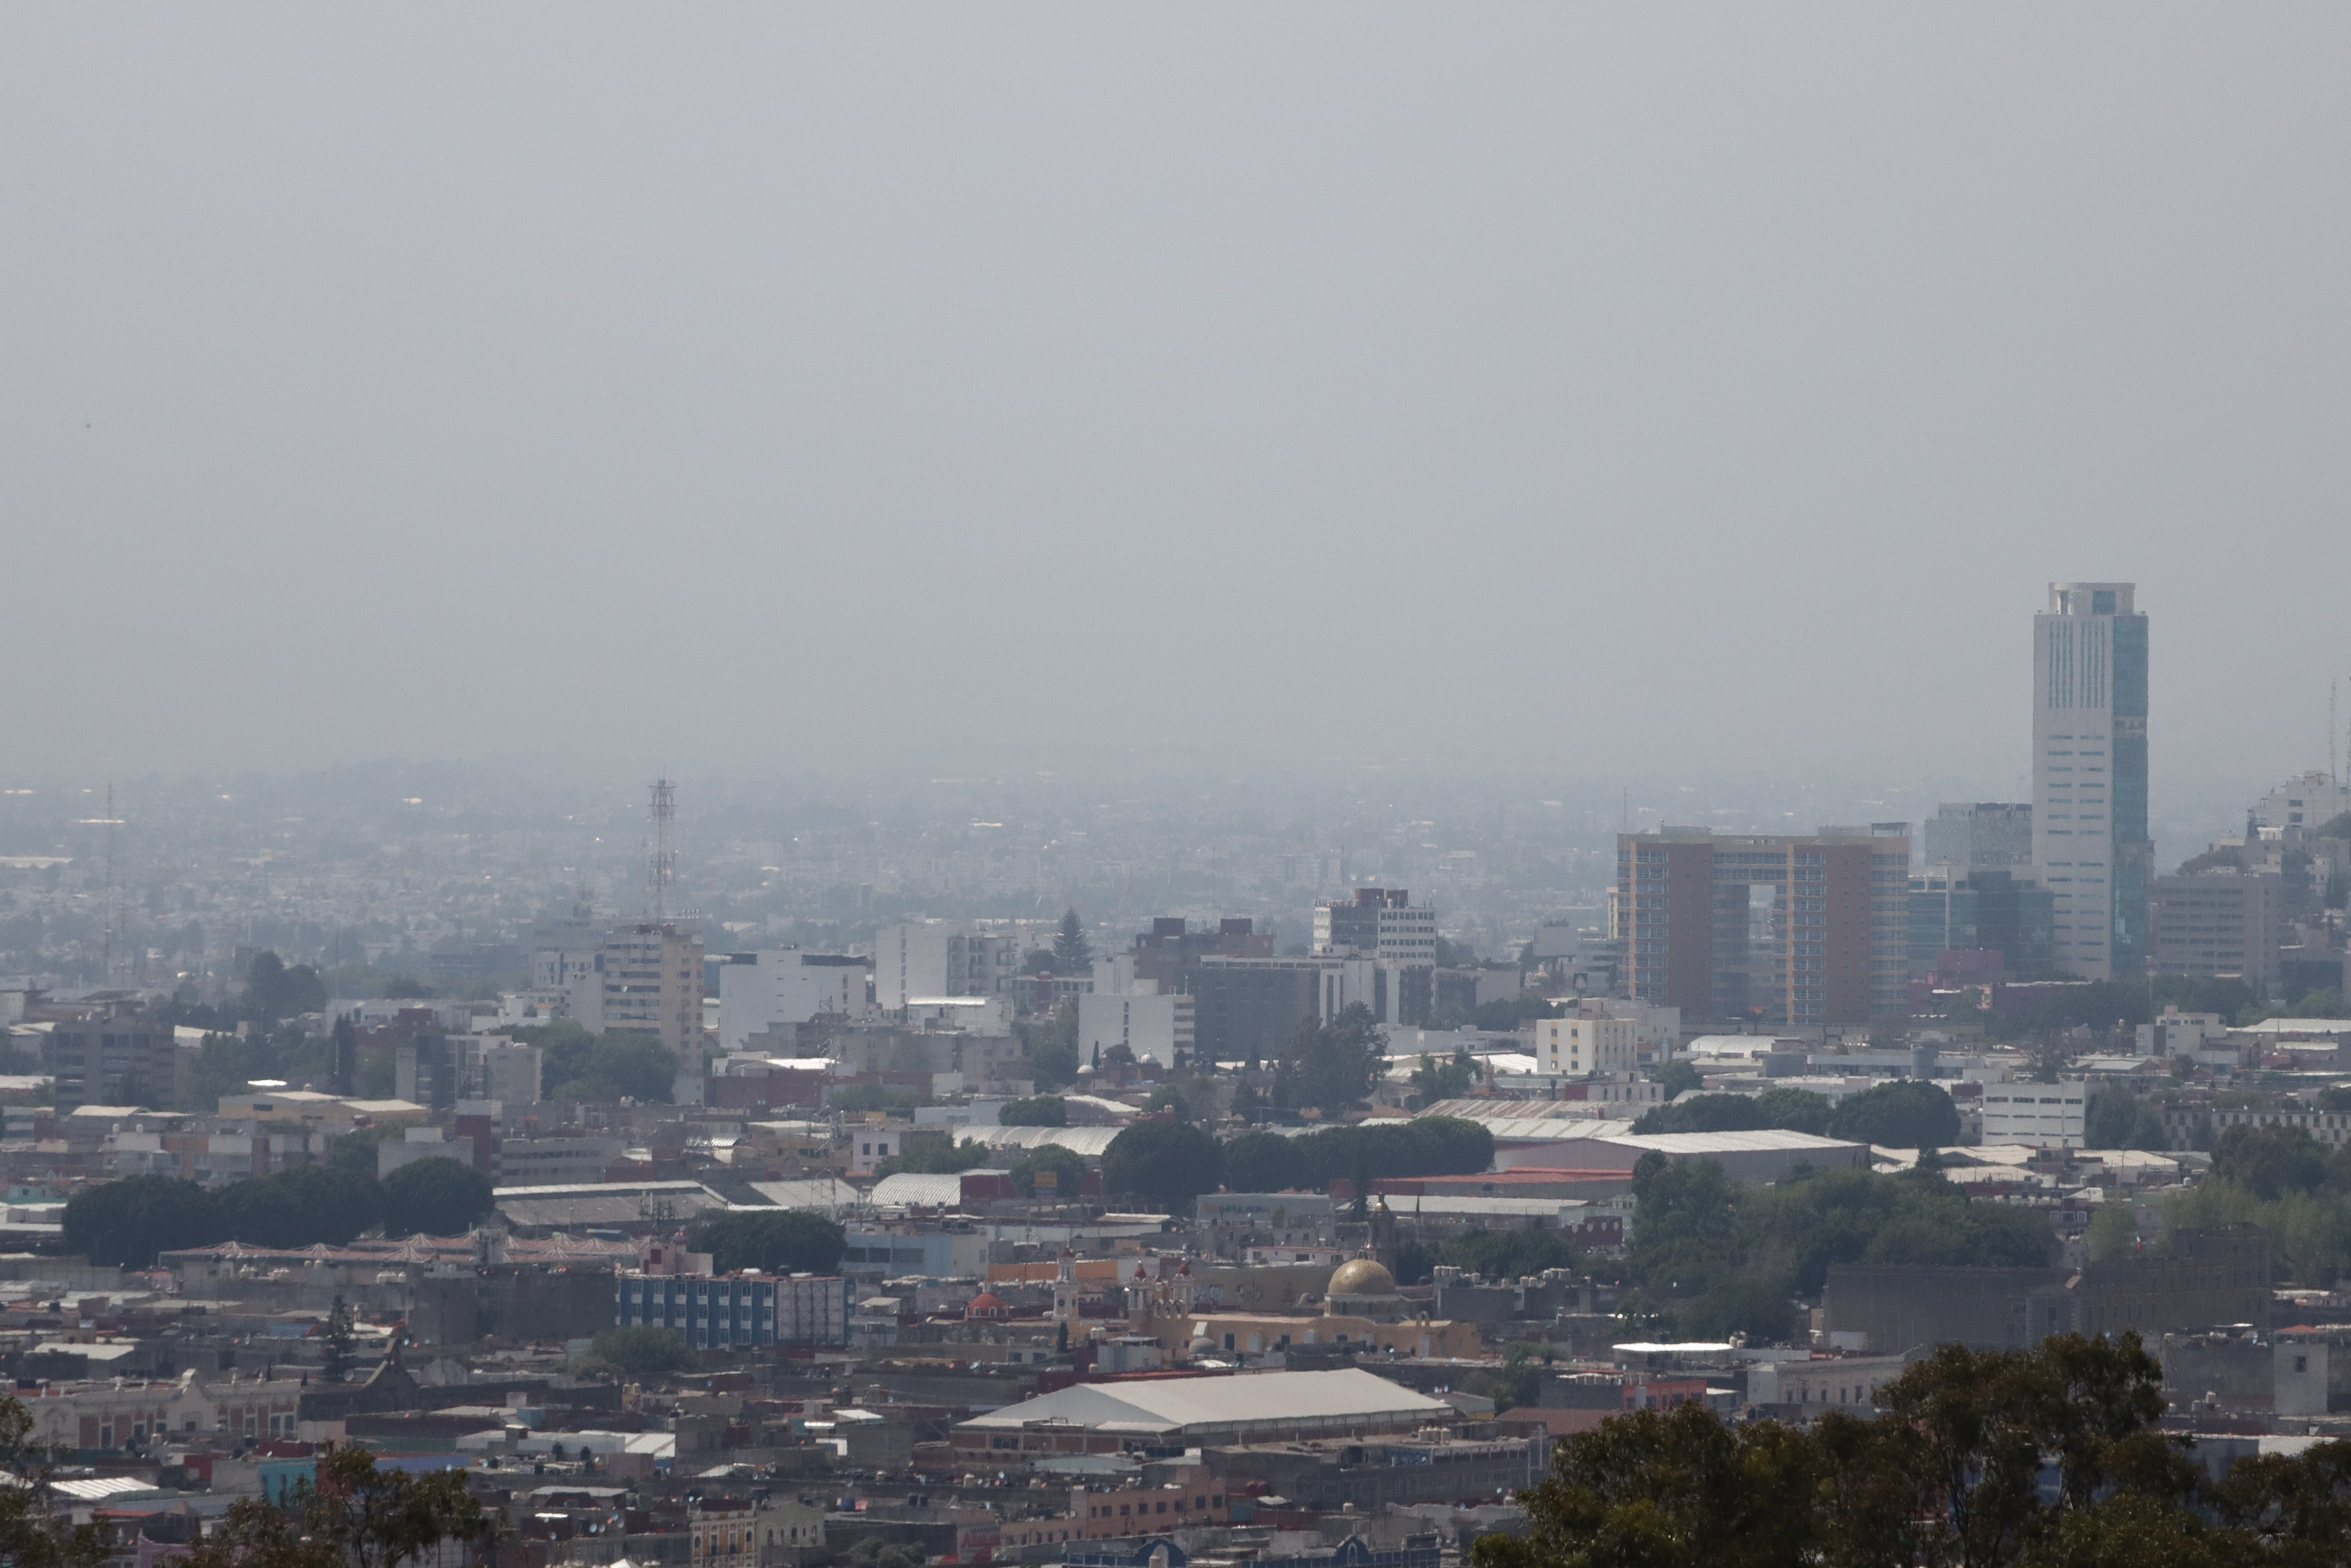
<point>2220,922</point>
<point>1774,929</point>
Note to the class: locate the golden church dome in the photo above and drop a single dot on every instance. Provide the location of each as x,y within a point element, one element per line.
<point>1361,1276</point>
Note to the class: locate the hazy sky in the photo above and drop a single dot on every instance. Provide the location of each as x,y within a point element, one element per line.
<point>1669,386</point>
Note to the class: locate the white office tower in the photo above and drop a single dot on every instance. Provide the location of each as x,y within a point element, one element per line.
<point>940,959</point>
<point>2090,847</point>
<point>757,990</point>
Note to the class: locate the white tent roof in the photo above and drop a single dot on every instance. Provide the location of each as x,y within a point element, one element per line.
<point>1176,1405</point>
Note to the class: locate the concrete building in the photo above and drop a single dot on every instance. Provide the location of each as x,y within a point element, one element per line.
<point>1772,929</point>
<point>2090,845</point>
<point>116,1056</point>
<point>787,986</point>
<point>1586,1047</point>
<point>652,981</point>
<point>1245,1010</point>
<point>2308,802</point>
<point>1155,1028</point>
<point>940,959</point>
<point>1983,910</point>
<point>437,1070</point>
<point>2046,1115</point>
<point>1982,835</point>
<point>737,1311</point>
<point>1381,923</point>
<point>2217,1276</point>
<point>2219,923</point>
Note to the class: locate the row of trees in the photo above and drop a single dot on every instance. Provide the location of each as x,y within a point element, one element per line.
<point>2044,1458</point>
<point>2290,1185</point>
<point>127,1222</point>
<point>1710,1257</point>
<point>1907,1113</point>
<point>1169,1162</point>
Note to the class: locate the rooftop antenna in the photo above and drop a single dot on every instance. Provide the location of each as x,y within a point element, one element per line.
<point>110,822</point>
<point>2333,736</point>
<point>661,869</point>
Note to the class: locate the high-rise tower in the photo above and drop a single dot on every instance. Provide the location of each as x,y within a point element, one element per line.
<point>2090,847</point>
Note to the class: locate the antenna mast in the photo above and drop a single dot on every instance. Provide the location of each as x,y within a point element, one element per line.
<point>661,869</point>
<point>106,964</point>
<point>2333,736</point>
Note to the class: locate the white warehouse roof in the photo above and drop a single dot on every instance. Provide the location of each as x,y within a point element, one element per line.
<point>1087,1142</point>
<point>1179,1406</point>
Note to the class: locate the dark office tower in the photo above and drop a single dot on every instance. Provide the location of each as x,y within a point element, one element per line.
<point>2090,846</point>
<point>1768,929</point>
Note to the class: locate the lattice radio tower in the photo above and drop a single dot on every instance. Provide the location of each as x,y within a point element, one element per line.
<point>661,867</point>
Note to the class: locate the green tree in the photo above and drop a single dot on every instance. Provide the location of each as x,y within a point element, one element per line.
<point>1332,1065</point>
<point>300,1206</point>
<point>1263,1162</point>
<point>1168,1097</point>
<point>1702,1113</point>
<point>33,1532</point>
<point>356,1516</point>
<point>621,1064</point>
<point>2112,1231</point>
<point>1907,1113</point>
<point>274,992</point>
<point>1068,1169</point>
<point>2117,1119</point>
<point>781,1241</point>
<point>1509,1254</point>
<point>935,1153</point>
<point>355,1152</point>
<point>337,1362</point>
<point>127,1222</point>
<point>439,1197</point>
<point>2270,1161</point>
<point>1051,1047</point>
<point>641,1350</point>
<point>1169,1163</point>
<point>1676,1077</point>
<point>1434,1080</point>
<point>1951,1475</point>
<point>1073,953</point>
<point>1043,1111</point>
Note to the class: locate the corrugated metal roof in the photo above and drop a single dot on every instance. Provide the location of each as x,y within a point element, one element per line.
<point>1176,1405</point>
<point>916,1188</point>
<point>825,1195</point>
<point>1088,1142</point>
<point>1759,1139</point>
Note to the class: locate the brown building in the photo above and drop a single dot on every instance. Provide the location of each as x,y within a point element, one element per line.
<point>1772,929</point>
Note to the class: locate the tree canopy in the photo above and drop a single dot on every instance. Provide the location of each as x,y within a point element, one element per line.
<point>439,1197</point>
<point>1038,1111</point>
<point>1168,1162</point>
<point>1797,1110</point>
<point>126,1222</point>
<point>355,1516</point>
<point>2051,1457</point>
<point>1331,1065</point>
<point>785,1242</point>
<point>1711,1258</point>
<point>1906,1113</point>
<point>1424,1146</point>
<point>1073,953</point>
<point>620,1064</point>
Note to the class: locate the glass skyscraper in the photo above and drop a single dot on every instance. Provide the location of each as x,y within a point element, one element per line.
<point>2090,847</point>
